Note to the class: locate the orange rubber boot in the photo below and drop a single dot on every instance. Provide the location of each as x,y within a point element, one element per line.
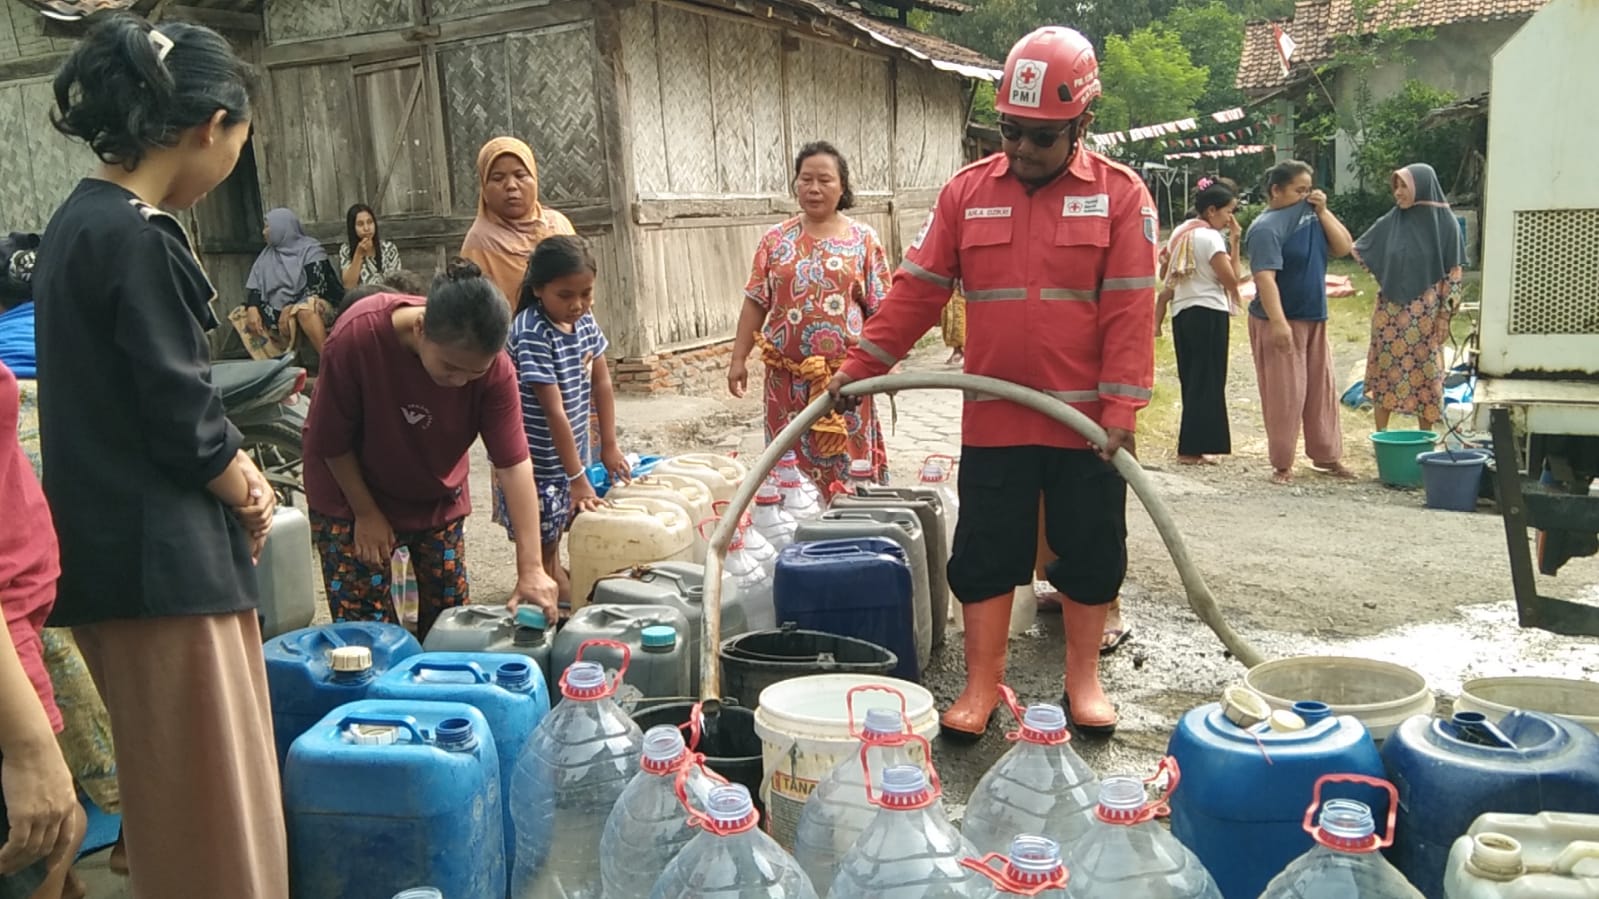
<point>987,634</point>
<point>1090,710</point>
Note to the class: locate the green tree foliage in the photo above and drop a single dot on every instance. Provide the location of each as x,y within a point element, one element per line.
<point>1213,33</point>
<point>1394,139</point>
<point>1148,77</point>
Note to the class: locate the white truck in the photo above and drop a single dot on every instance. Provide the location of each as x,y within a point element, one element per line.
<point>1538,367</point>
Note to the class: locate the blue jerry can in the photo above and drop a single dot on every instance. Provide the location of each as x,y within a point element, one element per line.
<point>1247,787</point>
<point>1449,771</point>
<point>509,690</point>
<point>860,587</point>
<point>381,795</point>
<point>314,670</point>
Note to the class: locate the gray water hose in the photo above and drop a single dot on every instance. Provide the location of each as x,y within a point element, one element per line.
<point>1199,595</point>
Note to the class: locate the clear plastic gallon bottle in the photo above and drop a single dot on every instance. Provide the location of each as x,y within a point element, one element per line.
<point>1032,867</point>
<point>574,768</point>
<point>751,581</point>
<point>862,475</point>
<point>838,811</point>
<point>648,826</point>
<point>938,472</point>
<point>1126,853</point>
<point>910,850</point>
<point>800,496</point>
<point>755,542</point>
<point>771,519</point>
<point>1040,787</point>
<point>732,858</point>
<point>1346,862</point>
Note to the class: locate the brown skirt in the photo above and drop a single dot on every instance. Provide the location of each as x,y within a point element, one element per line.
<point>202,810</point>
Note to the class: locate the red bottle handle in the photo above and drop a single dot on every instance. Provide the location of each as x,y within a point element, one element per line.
<point>935,786</point>
<point>1005,878</point>
<point>1378,842</point>
<point>1020,714</point>
<point>849,705</point>
<point>611,687</point>
<point>1160,808</point>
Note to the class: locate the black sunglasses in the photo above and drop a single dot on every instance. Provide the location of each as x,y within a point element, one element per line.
<point>1042,138</point>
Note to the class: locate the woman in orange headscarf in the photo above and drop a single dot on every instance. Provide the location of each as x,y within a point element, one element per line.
<point>510,219</point>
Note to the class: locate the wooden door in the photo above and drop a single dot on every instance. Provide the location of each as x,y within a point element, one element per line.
<point>396,110</point>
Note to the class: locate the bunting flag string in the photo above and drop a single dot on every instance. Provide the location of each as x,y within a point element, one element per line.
<point>1180,126</point>
<point>1226,153</point>
<point>1149,132</point>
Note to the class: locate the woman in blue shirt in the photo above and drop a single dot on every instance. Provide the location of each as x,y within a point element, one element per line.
<point>1289,245</point>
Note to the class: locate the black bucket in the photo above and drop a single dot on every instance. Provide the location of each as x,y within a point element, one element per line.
<point>754,661</point>
<point>730,745</point>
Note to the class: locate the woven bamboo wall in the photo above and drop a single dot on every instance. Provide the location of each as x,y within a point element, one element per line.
<point>702,272</point>
<point>537,85</point>
<point>930,119</point>
<point>296,20</point>
<point>38,166</point>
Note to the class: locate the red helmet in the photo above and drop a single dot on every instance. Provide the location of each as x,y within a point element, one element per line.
<point>1050,74</point>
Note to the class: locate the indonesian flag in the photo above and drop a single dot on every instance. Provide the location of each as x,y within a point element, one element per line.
<point>1285,47</point>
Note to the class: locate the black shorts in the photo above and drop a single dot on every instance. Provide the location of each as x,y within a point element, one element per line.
<point>996,537</point>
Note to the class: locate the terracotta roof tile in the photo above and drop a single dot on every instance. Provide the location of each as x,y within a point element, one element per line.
<point>1317,24</point>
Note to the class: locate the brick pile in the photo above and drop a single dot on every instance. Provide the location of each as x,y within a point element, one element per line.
<point>694,370</point>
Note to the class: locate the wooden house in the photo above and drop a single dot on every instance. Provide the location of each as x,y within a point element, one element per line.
<point>665,129</point>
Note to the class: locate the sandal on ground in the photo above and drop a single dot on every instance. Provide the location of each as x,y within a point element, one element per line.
<point>1113,639</point>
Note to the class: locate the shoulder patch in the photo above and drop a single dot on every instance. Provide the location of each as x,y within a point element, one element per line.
<point>1151,225</point>
<point>922,234</point>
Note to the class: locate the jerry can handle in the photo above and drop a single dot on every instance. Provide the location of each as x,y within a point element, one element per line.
<point>849,705</point>
<point>479,676</point>
<point>1005,881</point>
<point>1378,842</point>
<point>935,787</point>
<point>399,722</point>
<point>826,548</point>
<point>332,637</point>
<point>1566,862</point>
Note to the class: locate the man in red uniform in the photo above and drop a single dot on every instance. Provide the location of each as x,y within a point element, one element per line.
<point>1054,247</point>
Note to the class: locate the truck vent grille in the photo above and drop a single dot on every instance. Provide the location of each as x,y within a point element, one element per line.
<point>1555,286</point>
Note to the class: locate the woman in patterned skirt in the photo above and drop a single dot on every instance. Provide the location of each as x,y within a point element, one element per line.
<point>816,278</point>
<point>1416,254</point>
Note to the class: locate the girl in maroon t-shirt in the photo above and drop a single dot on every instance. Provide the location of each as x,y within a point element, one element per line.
<point>407,386</point>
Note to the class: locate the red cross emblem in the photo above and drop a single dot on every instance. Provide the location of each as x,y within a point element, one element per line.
<point>1076,206</point>
<point>1028,75</point>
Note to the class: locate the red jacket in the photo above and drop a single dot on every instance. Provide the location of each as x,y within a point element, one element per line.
<point>1060,295</point>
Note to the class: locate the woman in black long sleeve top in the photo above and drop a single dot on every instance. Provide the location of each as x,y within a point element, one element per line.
<point>157,511</point>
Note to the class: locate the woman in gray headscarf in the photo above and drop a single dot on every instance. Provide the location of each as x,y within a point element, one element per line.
<point>1416,253</point>
<point>293,289</point>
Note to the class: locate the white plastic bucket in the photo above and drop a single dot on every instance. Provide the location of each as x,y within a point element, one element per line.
<point>804,728</point>
<point>1381,694</point>
<point>1496,697</point>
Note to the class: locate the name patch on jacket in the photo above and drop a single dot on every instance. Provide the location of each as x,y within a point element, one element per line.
<point>988,212</point>
<point>1093,205</point>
